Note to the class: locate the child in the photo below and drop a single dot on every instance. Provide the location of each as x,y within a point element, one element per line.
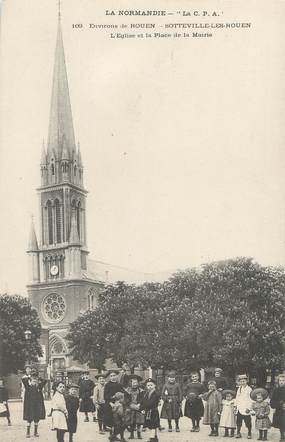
<point>134,417</point>
<point>59,412</point>
<point>118,410</point>
<point>149,404</point>
<point>72,405</point>
<point>194,407</point>
<point>261,410</point>
<point>172,398</point>
<point>228,418</point>
<point>243,405</point>
<point>34,408</point>
<point>4,408</point>
<point>98,399</point>
<point>213,399</point>
<point>278,403</point>
<point>86,388</point>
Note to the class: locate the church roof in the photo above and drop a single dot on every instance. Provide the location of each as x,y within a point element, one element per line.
<point>60,122</point>
<point>33,243</point>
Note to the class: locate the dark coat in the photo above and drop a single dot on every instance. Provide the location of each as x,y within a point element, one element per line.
<point>213,407</point>
<point>278,402</point>
<point>110,389</point>
<point>86,388</point>
<point>34,407</point>
<point>221,382</point>
<point>133,415</point>
<point>172,398</point>
<point>149,404</point>
<point>72,405</point>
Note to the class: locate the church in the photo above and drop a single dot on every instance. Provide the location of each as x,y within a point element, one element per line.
<point>60,286</point>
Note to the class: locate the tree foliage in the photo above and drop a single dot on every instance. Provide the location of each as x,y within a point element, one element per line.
<point>17,316</point>
<point>230,313</point>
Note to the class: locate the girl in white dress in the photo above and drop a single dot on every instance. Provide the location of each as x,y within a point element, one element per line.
<point>228,417</point>
<point>59,412</point>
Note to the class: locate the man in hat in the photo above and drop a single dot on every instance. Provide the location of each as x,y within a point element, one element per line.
<point>134,417</point>
<point>172,397</point>
<point>278,403</point>
<point>243,405</point>
<point>99,401</point>
<point>111,388</point>
<point>4,407</point>
<point>86,388</point>
<point>72,405</point>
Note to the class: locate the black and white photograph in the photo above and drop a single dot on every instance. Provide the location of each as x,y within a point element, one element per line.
<point>142,186</point>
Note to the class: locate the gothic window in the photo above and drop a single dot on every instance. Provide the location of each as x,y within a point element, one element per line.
<point>58,221</point>
<point>54,307</point>
<point>78,213</point>
<point>75,170</point>
<point>50,222</point>
<point>57,346</point>
<point>52,169</point>
<point>91,300</point>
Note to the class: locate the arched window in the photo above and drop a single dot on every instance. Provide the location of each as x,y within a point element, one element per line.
<point>52,169</point>
<point>75,170</point>
<point>50,222</point>
<point>58,221</point>
<point>78,213</point>
<point>91,300</point>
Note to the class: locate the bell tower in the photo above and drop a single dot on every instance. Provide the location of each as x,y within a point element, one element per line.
<point>59,283</point>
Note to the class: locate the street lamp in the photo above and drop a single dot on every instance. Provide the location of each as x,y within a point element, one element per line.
<point>28,335</point>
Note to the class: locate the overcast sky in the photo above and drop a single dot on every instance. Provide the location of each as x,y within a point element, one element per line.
<point>182,140</point>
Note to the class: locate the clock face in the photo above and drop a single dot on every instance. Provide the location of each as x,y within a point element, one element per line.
<point>54,270</point>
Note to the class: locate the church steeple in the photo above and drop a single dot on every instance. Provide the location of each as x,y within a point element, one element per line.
<point>60,121</point>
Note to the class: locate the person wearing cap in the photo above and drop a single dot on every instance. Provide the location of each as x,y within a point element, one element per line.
<point>99,401</point>
<point>4,407</point>
<point>86,388</point>
<point>172,397</point>
<point>149,406</point>
<point>111,388</point>
<point>213,408</point>
<point>134,417</point>
<point>194,408</point>
<point>34,408</point>
<point>261,409</point>
<point>228,417</point>
<point>277,402</point>
<point>243,405</point>
<point>72,405</point>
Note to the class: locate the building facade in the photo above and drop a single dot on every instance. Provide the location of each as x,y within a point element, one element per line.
<point>60,287</point>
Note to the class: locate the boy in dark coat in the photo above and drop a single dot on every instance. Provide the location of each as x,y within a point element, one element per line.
<point>149,405</point>
<point>34,408</point>
<point>278,403</point>
<point>194,407</point>
<point>172,397</point>
<point>134,417</point>
<point>72,405</point>
<point>4,408</point>
<point>86,388</point>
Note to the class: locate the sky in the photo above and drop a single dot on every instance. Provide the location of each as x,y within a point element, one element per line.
<point>182,140</point>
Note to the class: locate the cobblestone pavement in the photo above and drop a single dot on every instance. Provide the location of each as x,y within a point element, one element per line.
<point>88,431</point>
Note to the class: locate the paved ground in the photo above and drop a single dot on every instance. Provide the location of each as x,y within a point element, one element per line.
<point>88,431</point>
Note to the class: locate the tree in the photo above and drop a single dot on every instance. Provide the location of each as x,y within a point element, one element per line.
<point>240,314</point>
<point>16,316</point>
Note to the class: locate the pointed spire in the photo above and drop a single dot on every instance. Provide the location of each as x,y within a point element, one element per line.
<point>65,154</point>
<point>43,155</point>
<point>33,243</point>
<point>73,237</point>
<point>79,155</point>
<point>60,123</point>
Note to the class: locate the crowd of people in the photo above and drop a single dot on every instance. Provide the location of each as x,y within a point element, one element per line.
<point>129,404</point>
